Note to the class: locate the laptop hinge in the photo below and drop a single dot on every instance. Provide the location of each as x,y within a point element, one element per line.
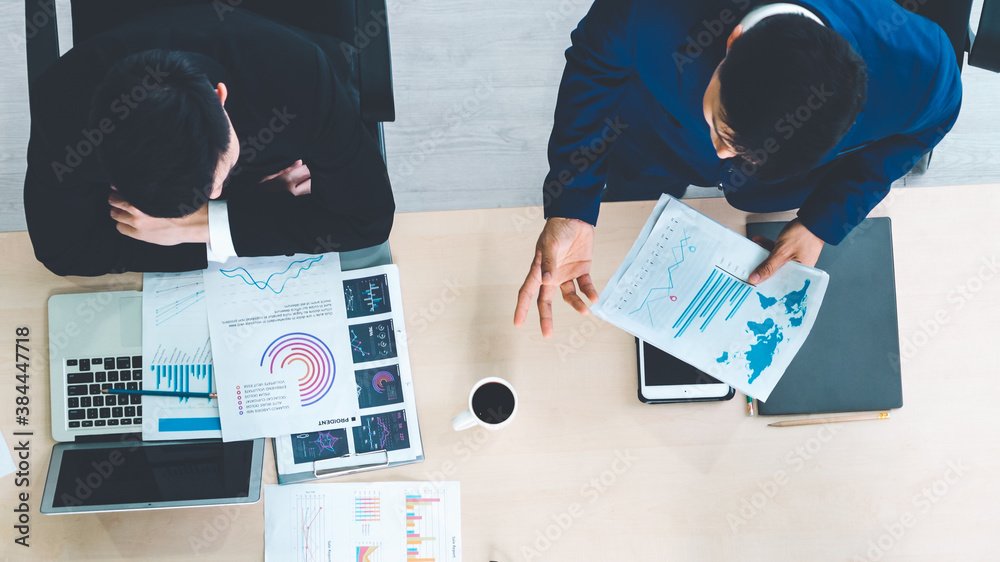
<point>108,438</point>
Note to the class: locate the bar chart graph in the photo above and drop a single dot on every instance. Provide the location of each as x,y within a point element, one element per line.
<point>179,378</point>
<point>423,527</point>
<point>721,291</point>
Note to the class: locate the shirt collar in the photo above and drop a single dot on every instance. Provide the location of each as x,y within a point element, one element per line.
<point>761,12</point>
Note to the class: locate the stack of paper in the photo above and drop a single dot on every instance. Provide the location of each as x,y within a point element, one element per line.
<point>295,348</point>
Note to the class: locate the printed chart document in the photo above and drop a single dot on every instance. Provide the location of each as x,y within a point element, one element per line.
<point>382,387</point>
<point>177,356</point>
<point>281,347</point>
<point>363,522</point>
<point>683,289</point>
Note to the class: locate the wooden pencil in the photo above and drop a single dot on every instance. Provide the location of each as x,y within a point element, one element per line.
<point>836,419</point>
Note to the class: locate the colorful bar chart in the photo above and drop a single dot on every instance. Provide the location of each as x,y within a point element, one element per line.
<point>367,507</point>
<point>422,516</point>
<point>721,290</point>
<point>178,378</point>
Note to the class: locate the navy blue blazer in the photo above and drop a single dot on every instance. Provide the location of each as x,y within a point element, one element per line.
<point>661,54</point>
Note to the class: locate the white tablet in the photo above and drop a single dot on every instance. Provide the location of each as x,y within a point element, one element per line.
<point>664,378</point>
<point>123,475</point>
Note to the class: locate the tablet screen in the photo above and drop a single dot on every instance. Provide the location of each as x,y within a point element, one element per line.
<point>663,369</point>
<point>135,475</point>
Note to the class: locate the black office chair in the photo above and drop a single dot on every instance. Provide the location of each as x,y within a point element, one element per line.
<point>983,45</point>
<point>359,27</point>
<point>953,16</point>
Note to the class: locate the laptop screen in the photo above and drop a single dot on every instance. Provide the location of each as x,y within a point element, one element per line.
<point>114,476</point>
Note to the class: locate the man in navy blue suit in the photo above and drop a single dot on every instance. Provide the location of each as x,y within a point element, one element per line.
<point>818,105</point>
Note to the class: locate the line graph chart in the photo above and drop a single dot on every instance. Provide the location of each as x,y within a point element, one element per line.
<point>186,294</point>
<point>678,253</point>
<point>374,341</point>
<point>310,528</point>
<point>386,431</point>
<point>275,282</point>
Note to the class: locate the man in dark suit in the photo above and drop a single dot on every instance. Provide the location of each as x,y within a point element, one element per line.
<point>818,105</point>
<point>183,136</point>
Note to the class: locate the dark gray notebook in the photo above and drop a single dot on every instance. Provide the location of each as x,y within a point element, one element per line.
<point>850,362</point>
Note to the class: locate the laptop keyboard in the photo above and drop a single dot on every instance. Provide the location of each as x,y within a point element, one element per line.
<point>88,377</point>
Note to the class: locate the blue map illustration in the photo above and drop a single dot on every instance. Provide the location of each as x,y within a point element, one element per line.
<point>768,333</point>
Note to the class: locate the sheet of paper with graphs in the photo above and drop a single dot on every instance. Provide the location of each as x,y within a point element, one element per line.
<point>683,289</point>
<point>178,358</point>
<point>279,345</point>
<point>301,348</point>
<point>363,522</point>
<point>382,391</point>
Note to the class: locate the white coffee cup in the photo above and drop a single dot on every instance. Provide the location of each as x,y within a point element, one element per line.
<point>492,404</point>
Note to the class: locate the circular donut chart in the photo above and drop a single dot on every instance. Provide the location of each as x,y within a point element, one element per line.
<point>300,348</point>
<point>380,380</point>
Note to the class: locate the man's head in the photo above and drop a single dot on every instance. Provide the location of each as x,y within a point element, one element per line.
<point>784,96</point>
<point>172,144</point>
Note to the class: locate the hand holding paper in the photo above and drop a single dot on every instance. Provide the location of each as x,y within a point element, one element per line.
<point>684,288</point>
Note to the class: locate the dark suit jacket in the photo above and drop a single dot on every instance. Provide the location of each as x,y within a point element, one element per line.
<point>665,51</point>
<point>286,101</point>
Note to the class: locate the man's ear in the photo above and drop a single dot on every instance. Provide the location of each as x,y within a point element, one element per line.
<point>222,92</point>
<point>729,42</point>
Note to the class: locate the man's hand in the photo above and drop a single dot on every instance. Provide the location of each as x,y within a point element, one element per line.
<point>794,243</point>
<point>294,179</point>
<point>562,259</point>
<point>163,232</point>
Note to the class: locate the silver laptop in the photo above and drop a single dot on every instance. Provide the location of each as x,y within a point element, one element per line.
<point>95,343</point>
<point>101,462</point>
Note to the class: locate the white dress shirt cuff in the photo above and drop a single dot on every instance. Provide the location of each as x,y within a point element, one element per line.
<point>220,245</point>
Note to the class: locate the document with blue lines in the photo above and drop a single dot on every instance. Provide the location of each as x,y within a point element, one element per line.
<point>683,288</point>
<point>177,356</point>
<point>279,340</point>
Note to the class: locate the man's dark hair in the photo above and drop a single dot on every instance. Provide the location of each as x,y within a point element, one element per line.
<point>169,132</point>
<point>790,89</point>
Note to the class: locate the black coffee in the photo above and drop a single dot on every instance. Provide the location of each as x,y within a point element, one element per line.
<point>493,402</point>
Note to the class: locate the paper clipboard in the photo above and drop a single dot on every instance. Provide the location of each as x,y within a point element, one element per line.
<point>351,463</point>
<point>339,466</point>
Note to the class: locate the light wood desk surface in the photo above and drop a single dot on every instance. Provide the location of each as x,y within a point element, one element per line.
<point>606,477</point>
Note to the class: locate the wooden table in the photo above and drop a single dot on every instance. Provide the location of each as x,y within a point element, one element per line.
<point>586,472</point>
